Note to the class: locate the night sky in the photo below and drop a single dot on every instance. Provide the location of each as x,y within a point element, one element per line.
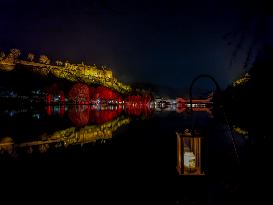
<point>163,42</point>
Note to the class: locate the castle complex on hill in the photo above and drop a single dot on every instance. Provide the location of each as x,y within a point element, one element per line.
<point>73,72</point>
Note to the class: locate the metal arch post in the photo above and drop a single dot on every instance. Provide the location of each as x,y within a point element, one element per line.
<point>192,84</point>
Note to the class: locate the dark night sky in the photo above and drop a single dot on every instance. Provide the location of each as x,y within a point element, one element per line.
<point>163,42</point>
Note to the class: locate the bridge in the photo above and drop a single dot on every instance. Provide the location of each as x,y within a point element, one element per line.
<point>196,105</point>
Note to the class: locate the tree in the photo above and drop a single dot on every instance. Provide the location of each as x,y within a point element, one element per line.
<point>59,63</point>
<point>66,63</point>
<point>2,55</point>
<point>104,93</point>
<point>79,93</point>
<point>30,57</point>
<point>255,25</point>
<point>44,59</point>
<point>15,53</point>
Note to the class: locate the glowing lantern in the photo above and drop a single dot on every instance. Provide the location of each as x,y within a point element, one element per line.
<point>188,154</point>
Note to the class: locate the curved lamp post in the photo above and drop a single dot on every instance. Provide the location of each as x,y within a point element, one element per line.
<point>189,143</point>
<point>218,90</point>
<point>192,84</point>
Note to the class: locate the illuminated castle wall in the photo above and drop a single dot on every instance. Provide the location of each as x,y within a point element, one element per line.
<point>72,72</point>
<point>98,73</point>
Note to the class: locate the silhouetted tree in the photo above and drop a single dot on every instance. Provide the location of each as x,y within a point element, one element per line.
<point>15,53</point>
<point>254,24</point>
<point>30,56</point>
<point>2,55</point>
<point>44,59</point>
<point>59,63</point>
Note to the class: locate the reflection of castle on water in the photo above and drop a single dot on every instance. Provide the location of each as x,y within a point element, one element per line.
<point>102,121</point>
<point>81,115</point>
<point>64,138</point>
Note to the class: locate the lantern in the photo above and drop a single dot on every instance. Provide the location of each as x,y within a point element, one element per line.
<point>189,153</point>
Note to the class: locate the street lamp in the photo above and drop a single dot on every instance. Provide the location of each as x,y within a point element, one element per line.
<point>189,153</point>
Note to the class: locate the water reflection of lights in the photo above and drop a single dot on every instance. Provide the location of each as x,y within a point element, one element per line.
<point>67,137</point>
<point>36,115</point>
<point>12,113</point>
<point>6,145</point>
<point>81,115</point>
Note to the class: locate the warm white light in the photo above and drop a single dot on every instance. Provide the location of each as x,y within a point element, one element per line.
<point>189,160</point>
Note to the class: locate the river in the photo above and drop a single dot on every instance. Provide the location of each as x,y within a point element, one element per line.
<point>210,167</point>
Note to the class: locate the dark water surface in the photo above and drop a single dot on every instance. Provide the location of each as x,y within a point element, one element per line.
<point>83,131</point>
<point>132,154</point>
